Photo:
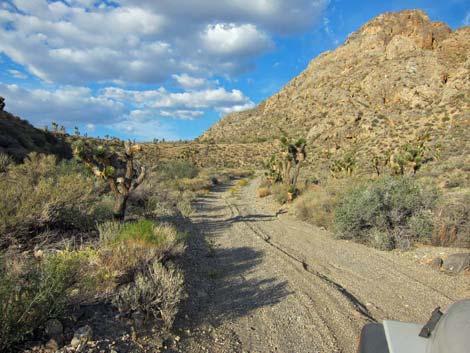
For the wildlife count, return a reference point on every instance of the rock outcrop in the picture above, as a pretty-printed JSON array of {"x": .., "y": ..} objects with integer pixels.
[{"x": 399, "y": 75}]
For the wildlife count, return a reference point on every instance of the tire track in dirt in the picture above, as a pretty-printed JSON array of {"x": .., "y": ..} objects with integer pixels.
[{"x": 355, "y": 302}]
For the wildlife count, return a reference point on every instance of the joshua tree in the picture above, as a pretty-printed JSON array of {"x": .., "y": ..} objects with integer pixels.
[
  {"x": 62, "y": 130},
  {"x": 117, "y": 170},
  {"x": 346, "y": 164},
  {"x": 77, "y": 133},
  {"x": 273, "y": 166},
  {"x": 55, "y": 126},
  {"x": 413, "y": 156},
  {"x": 2, "y": 103},
  {"x": 293, "y": 155}
]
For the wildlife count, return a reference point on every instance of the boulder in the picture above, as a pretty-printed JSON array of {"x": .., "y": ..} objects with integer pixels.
[
  {"x": 82, "y": 335},
  {"x": 457, "y": 263}
]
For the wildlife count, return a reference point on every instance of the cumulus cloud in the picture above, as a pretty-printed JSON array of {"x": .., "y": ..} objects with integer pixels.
[
  {"x": 189, "y": 82},
  {"x": 113, "y": 105},
  {"x": 216, "y": 98},
  {"x": 231, "y": 39},
  {"x": 72, "y": 45},
  {"x": 69, "y": 105},
  {"x": 81, "y": 41}
]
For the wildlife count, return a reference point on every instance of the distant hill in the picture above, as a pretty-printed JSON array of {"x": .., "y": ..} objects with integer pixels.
[
  {"x": 398, "y": 76},
  {"x": 18, "y": 138}
]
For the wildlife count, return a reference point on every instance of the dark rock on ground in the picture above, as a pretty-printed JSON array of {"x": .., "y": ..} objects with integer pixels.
[{"x": 457, "y": 263}]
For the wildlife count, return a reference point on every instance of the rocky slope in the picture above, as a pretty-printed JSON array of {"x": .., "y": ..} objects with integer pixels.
[{"x": 399, "y": 75}]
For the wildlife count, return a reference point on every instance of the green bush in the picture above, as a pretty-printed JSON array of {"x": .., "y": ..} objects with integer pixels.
[
  {"x": 39, "y": 291},
  {"x": 393, "y": 205},
  {"x": 179, "y": 169},
  {"x": 156, "y": 292}
]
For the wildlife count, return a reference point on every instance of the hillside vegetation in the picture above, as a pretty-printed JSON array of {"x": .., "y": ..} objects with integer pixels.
[{"x": 397, "y": 77}]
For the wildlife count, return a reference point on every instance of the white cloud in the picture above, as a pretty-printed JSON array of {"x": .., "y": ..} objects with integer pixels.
[
  {"x": 69, "y": 105},
  {"x": 81, "y": 41},
  {"x": 231, "y": 39},
  {"x": 182, "y": 114},
  {"x": 217, "y": 98},
  {"x": 188, "y": 82},
  {"x": 17, "y": 74},
  {"x": 114, "y": 106},
  {"x": 466, "y": 20}
]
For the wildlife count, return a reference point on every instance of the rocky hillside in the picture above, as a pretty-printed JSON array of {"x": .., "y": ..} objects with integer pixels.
[{"x": 399, "y": 75}]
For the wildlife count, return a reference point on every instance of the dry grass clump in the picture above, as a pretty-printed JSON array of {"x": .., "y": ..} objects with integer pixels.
[{"x": 263, "y": 192}]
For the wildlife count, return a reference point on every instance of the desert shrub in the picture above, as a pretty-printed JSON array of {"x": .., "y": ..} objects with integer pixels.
[
  {"x": 41, "y": 193},
  {"x": 318, "y": 203},
  {"x": 133, "y": 245},
  {"x": 108, "y": 232},
  {"x": 387, "y": 204},
  {"x": 5, "y": 161},
  {"x": 185, "y": 207},
  {"x": 242, "y": 183},
  {"x": 421, "y": 226},
  {"x": 452, "y": 220},
  {"x": 195, "y": 184},
  {"x": 382, "y": 240},
  {"x": 179, "y": 169},
  {"x": 156, "y": 292},
  {"x": 37, "y": 292},
  {"x": 279, "y": 191},
  {"x": 263, "y": 192}
]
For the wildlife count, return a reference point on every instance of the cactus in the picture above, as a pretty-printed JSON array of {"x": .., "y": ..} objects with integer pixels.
[{"x": 118, "y": 171}]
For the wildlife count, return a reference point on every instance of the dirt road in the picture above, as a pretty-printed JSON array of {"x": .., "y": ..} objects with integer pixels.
[{"x": 262, "y": 281}]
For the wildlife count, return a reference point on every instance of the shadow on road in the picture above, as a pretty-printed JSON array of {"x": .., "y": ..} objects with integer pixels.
[{"x": 219, "y": 283}]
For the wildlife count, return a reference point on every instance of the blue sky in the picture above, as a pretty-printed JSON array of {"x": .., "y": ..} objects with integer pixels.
[{"x": 169, "y": 69}]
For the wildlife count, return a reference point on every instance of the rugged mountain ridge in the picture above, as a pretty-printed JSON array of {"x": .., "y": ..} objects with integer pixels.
[{"x": 399, "y": 75}]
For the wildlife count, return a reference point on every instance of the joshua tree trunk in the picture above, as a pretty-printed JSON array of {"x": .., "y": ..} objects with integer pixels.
[{"x": 119, "y": 209}]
